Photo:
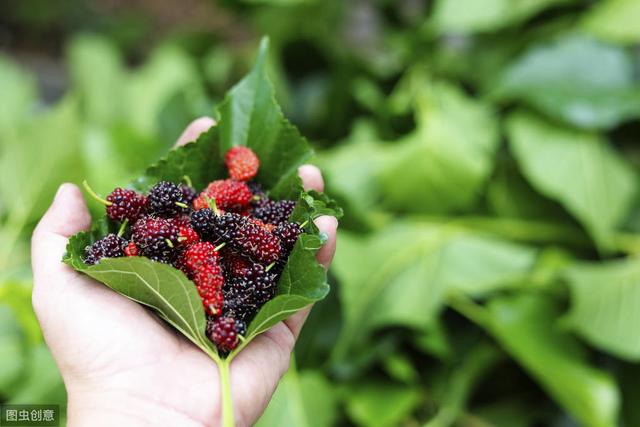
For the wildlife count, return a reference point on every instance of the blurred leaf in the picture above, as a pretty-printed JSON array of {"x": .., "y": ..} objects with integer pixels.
[
  {"x": 302, "y": 399},
  {"x": 434, "y": 341},
  {"x": 42, "y": 384},
  {"x": 614, "y": 20},
  {"x": 605, "y": 308},
  {"x": 400, "y": 368},
  {"x": 581, "y": 81},
  {"x": 99, "y": 148},
  {"x": 280, "y": 2},
  {"x": 18, "y": 89},
  {"x": 350, "y": 170},
  {"x": 510, "y": 413},
  {"x": 577, "y": 169},
  {"x": 466, "y": 16},
  {"x": 524, "y": 326},
  {"x": 400, "y": 276},
  {"x": 442, "y": 166},
  {"x": 627, "y": 377},
  {"x": 16, "y": 296},
  {"x": 381, "y": 404},
  {"x": 110, "y": 94},
  {"x": 99, "y": 77},
  {"x": 167, "y": 72},
  {"x": 46, "y": 156},
  {"x": 12, "y": 351},
  {"x": 461, "y": 383},
  {"x": 217, "y": 63},
  {"x": 510, "y": 195}
]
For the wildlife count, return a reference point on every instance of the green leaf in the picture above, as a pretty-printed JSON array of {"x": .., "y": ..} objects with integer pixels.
[
  {"x": 251, "y": 116},
  {"x": 302, "y": 399},
  {"x": 583, "y": 82},
  {"x": 466, "y": 16},
  {"x": 524, "y": 326},
  {"x": 381, "y": 404},
  {"x": 614, "y": 20},
  {"x": 201, "y": 162},
  {"x": 605, "y": 305},
  {"x": 576, "y": 169},
  {"x": 159, "y": 286},
  {"x": 442, "y": 166},
  {"x": 402, "y": 275}
]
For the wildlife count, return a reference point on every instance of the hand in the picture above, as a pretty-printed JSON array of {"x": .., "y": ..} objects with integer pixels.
[{"x": 121, "y": 365}]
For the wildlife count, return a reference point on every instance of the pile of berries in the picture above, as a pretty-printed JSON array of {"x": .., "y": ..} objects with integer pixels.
[{"x": 230, "y": 239}]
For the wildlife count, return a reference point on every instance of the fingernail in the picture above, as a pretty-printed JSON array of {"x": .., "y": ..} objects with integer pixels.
[{"x": 62, "y": 191}]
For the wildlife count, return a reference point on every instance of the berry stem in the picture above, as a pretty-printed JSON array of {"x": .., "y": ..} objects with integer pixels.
[
  {"x": 182, "y": 205},
  {"x": 304, "y": 224},
  {"x": 270, "y": 266},
  {"x": 94, "y": 195},
  {"x": 169, "y": 243},
  {"x": 123, "y": 227},
  {"x": 187, "y": 180},
  {"x": 212, "y": 205},
  {"x": 227, "y": 402},
  {"x": 220, "y": 246}
]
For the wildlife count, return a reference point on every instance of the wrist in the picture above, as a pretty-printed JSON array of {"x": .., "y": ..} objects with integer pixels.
[{"x": 95, "y": 407}]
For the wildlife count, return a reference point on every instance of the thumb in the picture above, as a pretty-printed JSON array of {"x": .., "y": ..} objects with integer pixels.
[{"x": 67, "y": 215}]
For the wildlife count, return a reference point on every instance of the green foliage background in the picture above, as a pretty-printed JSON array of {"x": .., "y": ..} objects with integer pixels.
[{"x": 485, "y": 152}]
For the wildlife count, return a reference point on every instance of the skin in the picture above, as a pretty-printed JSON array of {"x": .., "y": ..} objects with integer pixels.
[{"x": 121, "y": 365}]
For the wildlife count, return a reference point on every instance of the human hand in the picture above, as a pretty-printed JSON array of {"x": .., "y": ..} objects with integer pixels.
[{"x": 120, "y": 363}]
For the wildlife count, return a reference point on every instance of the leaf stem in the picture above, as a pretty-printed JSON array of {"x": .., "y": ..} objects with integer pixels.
[
  {"x": 187, "y": 180},
  {"x": 469, "y": 309},
  {"x": 224, "y": 368},
  {"x": 94, "y": 195}
]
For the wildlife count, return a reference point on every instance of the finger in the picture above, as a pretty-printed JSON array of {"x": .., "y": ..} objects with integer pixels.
[
  {"x": 256, "y": 371},
  {"x": 311, "y": 178},
  {"x": 195, "y": 129},
  {"x": 328, "y": 225},
  {"x": 67, "y": 215}
]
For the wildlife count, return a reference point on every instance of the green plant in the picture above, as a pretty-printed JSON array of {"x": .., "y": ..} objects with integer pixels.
[{"x": 486, "y": 156}]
